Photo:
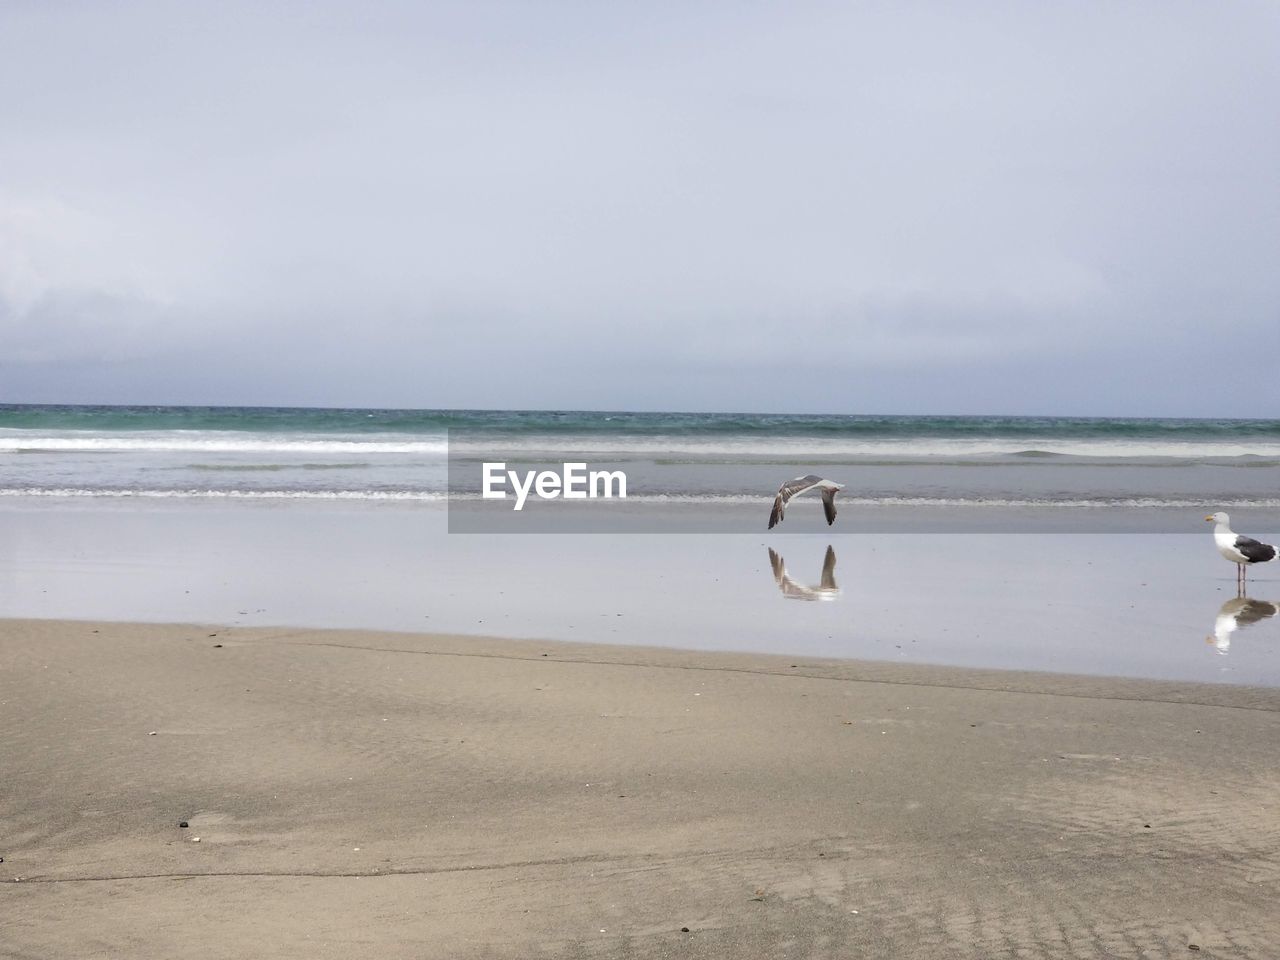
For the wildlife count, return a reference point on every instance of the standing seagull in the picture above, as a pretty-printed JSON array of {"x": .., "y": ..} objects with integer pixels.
[
  {"x": 794, "y": 488},
  {"x": 1242, "y": 551}
]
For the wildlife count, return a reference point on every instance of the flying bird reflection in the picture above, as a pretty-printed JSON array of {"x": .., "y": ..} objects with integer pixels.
[
  {"x": 826, "y": 588},
  {"x": 1236, "y": 613}
]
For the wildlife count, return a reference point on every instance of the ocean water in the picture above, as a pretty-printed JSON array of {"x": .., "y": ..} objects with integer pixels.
[
  {"x": 347, "y": 518},
  {"x": 357, "y": 454}
]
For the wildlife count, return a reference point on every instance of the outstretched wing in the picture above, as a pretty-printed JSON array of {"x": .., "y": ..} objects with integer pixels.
[
  {"x": 792, "y": 488},
  {"x": 829, "y": 504}
]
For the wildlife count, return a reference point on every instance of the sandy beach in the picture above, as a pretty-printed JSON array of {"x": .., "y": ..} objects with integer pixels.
[
  {"x": 639, "y": 482},
  {"x": 401, "y": 795}
]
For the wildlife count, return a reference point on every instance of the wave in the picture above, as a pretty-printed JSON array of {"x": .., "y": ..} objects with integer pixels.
[
  {"x": 676, "y": 499},
  {"x": 267, "y": 467},
  {"x": 218, "y": 443},
  {"x": 817, "y": 449},
  {"x": 662, "y": 448},
  {"x": 106, "y": 493}
]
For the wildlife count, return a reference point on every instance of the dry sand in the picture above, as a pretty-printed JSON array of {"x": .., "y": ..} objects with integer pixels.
[{"x": 390, "y": 795}]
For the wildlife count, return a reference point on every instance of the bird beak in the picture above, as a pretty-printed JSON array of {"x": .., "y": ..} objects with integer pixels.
[{"x": 1208, "y": 519}]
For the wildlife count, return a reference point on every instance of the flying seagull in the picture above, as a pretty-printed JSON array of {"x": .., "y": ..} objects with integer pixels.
[
  {"x": 1237, "y": 613},
  {"x": 826, "y": 588},
  {"x": 802, "y": 485},
  {"x": 1240, "y": 550}
]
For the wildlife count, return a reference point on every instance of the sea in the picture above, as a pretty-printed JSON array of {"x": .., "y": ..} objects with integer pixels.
[
  {"x": 1070, "y": 545},
  {"x": 885, "y": 461}
]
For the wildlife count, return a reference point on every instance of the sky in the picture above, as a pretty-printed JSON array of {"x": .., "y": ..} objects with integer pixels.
[{"x": 858, "y": 207}]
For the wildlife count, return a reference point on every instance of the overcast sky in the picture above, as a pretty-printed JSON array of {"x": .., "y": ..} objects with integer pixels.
[{"x": 1017, "y": 207}]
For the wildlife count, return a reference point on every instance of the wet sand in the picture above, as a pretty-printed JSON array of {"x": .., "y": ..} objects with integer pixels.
[
  {"x": 401, "y": 795},
  {"x": 1134, "y": 605}
]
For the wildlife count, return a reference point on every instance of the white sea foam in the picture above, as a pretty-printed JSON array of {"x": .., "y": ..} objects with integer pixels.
[
  {"x": 621, "y": 446},
  {"x": 435, "y": 496},
  {"x": 196, "y": 494},
  {"x": 791, "y": 449},
  {"x": 14, "y": 442}
]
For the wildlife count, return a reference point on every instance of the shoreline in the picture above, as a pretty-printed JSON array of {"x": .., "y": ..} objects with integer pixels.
[
  {"x": 434, "y": 795},
  {"x": 693, "y": 515}
]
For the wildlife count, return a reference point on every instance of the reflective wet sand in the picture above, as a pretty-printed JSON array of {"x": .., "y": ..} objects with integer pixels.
[{"x": 1139, "y": 605}]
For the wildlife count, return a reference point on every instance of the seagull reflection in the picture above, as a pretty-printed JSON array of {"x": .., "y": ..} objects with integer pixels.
[
  {"x": 1236, "y": 613},
  {"x": 826, "y": 588}
]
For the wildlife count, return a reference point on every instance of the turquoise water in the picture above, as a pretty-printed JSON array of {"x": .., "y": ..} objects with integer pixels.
[{"x": 295, "y": 420}]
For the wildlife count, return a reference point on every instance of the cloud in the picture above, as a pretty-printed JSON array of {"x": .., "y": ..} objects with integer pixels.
[
  {"x": 327, "y": 201},
  {"x": 71, "y": 288}
]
